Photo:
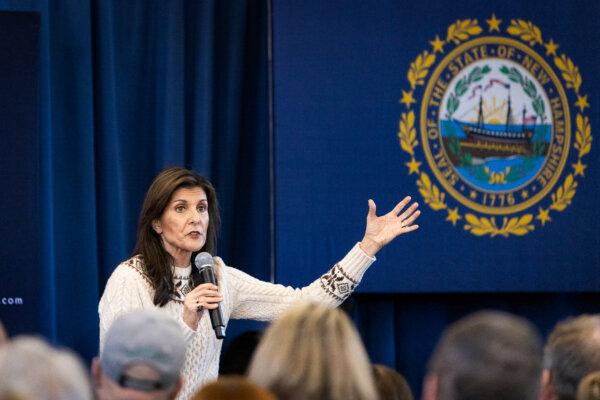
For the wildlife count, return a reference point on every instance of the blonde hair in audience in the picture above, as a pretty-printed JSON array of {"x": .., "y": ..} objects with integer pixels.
[
  {"x": 313, "y": 352},
  {"x": 232, "y": 388},
  {"x": 589, "y": 387}
]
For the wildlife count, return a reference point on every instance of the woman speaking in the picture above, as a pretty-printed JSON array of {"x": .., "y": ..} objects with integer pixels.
[{"x": 179, "y": 218}]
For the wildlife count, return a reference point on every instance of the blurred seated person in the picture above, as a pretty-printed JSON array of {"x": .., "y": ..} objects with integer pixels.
[
  {"x": 30, "y": 369},
  {"x": 313, "y": 352},
  {"x": 486, "y": 356},
  {"x": 572, "y": 351},
  {"x": 142, "y": 358}
]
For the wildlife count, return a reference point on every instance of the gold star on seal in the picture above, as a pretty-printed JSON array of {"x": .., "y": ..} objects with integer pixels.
[
  {"x": 524, "y": 194},
  {"x": 438, "y": 44},
  {"x": 453, "y": 216},
  {"x": 413, "y": 166},
  {"x": 582, "y": 102},
  {"x": 551, "y": 47},
  {"x": 473, "y": 194},
  {"x": 543, "y": 216},
  {"x": 407, "y": 98},
  {"x": 579, "y": 168},
  {"x": 493, "y": 23}
]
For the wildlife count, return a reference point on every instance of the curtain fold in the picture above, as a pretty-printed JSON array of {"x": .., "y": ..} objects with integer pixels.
[{"x": 129, "y": 88}]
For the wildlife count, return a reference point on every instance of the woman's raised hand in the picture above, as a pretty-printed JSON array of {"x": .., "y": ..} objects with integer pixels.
[
  {"x": 382, "y": 230},
  {"x": 202, "y": 296}
]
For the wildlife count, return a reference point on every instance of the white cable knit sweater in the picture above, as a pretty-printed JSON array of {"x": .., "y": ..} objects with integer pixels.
[{"x": 244, "y": 297}]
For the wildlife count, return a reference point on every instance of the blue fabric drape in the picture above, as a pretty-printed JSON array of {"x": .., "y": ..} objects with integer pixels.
[{"x": 128, "y": 88}]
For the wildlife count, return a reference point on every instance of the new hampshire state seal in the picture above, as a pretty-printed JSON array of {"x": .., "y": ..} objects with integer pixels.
[{"x": 495, "y": 127}]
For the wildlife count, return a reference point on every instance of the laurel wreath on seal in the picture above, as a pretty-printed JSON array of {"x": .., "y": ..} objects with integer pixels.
[
  {"x": 583, "y": 137},
  {"x": 408, "y": 133},
  {"x": 528, "y": 87},
  {"x": 461, "y": 30},
  {"x": 563, "y": 196},
  {"x": 420, "y": 68},
  {"x": 462, "y": 85},
  {"x": 570, "y": 72},
  {"x": 526, "y": 31},
  {"x": 487, "y": 226},
  {"x": 430, "y": 192}
]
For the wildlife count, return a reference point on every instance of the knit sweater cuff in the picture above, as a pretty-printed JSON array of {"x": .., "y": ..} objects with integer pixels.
[{"x": 356, "y": 262}]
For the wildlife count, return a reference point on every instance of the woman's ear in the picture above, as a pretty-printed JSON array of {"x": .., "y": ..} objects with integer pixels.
[{"x": 156, "y": 225}]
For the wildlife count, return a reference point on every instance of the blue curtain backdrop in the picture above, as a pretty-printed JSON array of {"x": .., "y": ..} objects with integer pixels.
[{"x": 128, "y": 88}]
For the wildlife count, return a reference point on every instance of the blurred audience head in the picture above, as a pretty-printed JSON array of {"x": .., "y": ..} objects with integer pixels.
[
  {"x": 30, "y": 369},
  {"x": 572, "y": 351},
  {"x": 589, "y": 387},
  {"x": 237, "y": 355},
  {"x": 142, "y": 358},
  {"x": 390, "y": 384},
  {"x": 488, "y": 355},
  {"x": 232, "y": 388},
  {"x": 313, "y": 352}
]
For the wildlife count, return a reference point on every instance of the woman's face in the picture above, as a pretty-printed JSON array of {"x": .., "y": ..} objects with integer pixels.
[{"x": 183, "y": 224}]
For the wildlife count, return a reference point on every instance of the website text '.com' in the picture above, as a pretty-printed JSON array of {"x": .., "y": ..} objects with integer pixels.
[{"x": 11, "y": 301}]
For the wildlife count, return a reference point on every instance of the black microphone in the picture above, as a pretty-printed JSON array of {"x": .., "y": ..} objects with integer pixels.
[{"x": 204, "y": 262}]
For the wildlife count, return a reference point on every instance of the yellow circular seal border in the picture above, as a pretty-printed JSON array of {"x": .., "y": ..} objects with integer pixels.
[
  {"x": 423, "y": 117},
  {"x": 494, "y": 225}
]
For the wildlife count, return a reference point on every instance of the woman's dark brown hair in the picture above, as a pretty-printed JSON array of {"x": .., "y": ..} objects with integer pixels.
[{"x": 156, "y": 259}]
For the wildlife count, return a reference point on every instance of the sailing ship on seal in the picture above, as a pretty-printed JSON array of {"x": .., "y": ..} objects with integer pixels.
[{"x": 497, "y": 140}]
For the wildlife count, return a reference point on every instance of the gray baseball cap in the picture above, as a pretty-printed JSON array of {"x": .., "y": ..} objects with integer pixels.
[{"x": 149, "y": 337}]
